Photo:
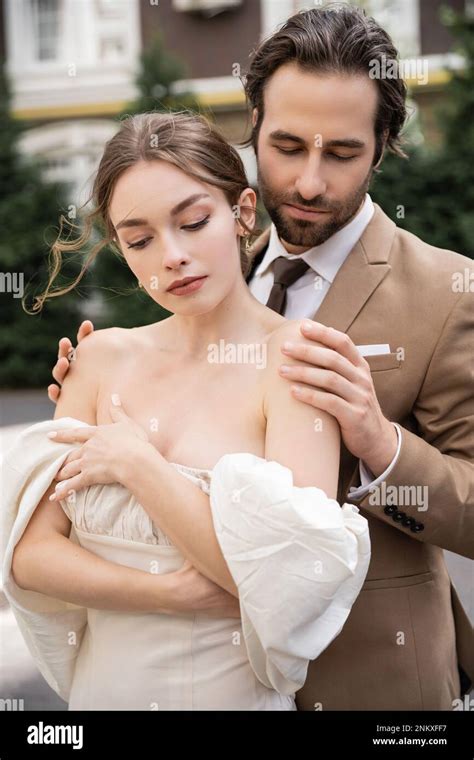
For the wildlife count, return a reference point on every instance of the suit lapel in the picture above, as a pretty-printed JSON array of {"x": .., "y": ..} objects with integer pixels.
[{"x": 363, "y": 270}]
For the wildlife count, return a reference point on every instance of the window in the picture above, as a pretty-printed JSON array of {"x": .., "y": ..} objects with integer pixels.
[
  {"x": 111, "y": 49},
  {"x": 45, "y": 20}
]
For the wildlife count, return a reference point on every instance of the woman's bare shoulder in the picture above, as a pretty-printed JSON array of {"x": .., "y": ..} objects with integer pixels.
[
  {"x": 286, "y": 330},
  {"x": 94, "y": 355},
  {"x": 109, "y": 339},
  {"x": 290, "y": 331}
]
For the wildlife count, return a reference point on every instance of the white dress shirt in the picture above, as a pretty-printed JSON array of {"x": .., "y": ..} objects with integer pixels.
[{"x": 305, "y": 296}]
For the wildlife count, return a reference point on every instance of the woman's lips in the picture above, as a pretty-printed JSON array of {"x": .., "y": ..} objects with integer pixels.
[
  {"x": 298, "y": 213},
  {"x": 191, "y": 287}
]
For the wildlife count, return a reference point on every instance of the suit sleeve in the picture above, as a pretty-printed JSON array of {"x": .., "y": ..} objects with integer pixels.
[{"x": 433, "y": 498}]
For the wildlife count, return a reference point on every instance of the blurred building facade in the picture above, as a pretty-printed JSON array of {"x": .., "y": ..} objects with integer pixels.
[{"x": 72, "y": 64}]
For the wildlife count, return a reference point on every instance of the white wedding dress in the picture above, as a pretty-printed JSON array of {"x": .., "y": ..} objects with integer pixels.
[{"x": 298, "y": 559}]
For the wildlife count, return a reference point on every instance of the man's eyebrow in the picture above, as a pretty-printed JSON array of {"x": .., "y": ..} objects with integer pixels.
[
  {"x": 138, "y": 222},
  {"x": 345, "y": 142},
  {"x": 280, "y": 134}
]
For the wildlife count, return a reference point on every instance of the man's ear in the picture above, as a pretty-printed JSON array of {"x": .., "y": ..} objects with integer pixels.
[
  {"x": 385, "y": 136},
  {"x": 375, "y": 166}
]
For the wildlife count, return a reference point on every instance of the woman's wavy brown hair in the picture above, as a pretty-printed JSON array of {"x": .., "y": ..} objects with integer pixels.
[
  {"x": 186, "y": 140},
  {"x": 336, "y": 39}
]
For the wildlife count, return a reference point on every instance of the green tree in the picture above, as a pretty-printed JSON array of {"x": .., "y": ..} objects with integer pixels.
[
  {"x": 28, "y": 343},
  {"x": 434, "y": 187},
  {"x": 159, "y": 70}
]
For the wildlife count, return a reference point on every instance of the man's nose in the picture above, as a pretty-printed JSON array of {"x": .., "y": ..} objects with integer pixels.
[{"x": 310, "y": 183}]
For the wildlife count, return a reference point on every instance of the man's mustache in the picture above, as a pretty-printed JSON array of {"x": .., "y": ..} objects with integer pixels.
[{"x": 308, "y": 204}]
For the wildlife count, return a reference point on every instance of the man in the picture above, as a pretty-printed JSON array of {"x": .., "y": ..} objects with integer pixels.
[{"x": 320, "y": 125}]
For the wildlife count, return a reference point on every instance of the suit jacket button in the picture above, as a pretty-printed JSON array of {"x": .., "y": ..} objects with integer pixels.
[
  {"x": 398, "y": 516},
  {"x": 390, "y": 510},
  {"x": 417, "y": 527}
]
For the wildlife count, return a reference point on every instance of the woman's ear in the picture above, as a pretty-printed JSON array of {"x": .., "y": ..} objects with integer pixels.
[{"x": 247, "y": 208}]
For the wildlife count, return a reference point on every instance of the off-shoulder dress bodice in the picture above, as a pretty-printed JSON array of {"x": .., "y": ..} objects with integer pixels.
[
  {"x": 297, "y": 557},
  {"x": 120, "y": 515}
]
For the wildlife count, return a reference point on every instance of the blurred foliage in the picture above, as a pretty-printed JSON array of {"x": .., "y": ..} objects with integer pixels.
[
  {"x": 28, "y": 206},
  {"x": 158, "y": 71},
  {"x": 435, "y": 187}
]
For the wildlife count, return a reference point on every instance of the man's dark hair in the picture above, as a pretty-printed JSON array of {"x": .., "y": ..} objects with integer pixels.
[{"x": 336, "y": 39}]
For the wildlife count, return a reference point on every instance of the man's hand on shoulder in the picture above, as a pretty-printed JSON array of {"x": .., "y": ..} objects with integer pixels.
[
  {"x": 93, "y": 357},
  {"x": 65, "y": 356}
]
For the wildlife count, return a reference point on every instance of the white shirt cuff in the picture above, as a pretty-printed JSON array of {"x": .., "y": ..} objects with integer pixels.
[{"x": 367, "y": 477}]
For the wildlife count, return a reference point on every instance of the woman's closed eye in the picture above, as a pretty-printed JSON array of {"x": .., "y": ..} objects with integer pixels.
[
  {"x": 139, "y": 243},
  {"x": 191, "y": 227},
  {"x": 196, "y": 225}
]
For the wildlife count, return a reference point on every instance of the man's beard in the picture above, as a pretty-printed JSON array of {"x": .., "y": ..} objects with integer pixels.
[{"x": 304, "y": 233}]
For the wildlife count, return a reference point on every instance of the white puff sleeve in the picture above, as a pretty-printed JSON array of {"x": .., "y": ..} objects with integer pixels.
[
  {"x": 298, "y": 559},
  {"x": 52, "y": 629}
]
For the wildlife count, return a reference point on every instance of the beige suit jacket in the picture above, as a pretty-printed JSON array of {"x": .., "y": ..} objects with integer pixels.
[{"x": 407, "y": 631}]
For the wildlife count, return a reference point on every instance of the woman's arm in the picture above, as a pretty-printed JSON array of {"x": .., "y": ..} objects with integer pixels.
[
  {"x": 304, "y": 439},
  {"x": 309, "y": 447},
  {"x": 47, "y": 561},
  {"x": 181, "y": 509}
]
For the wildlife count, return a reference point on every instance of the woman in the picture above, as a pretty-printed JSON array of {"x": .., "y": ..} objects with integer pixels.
[{"x": 184, "y": 466}]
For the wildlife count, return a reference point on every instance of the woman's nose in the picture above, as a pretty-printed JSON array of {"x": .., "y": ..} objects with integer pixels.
[{"x": 173, "y": 256}]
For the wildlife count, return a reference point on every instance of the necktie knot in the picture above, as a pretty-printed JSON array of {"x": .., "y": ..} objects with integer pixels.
[{"x": 285, "y": 272}]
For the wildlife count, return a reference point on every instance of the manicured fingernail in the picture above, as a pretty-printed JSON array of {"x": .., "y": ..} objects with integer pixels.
[
  {"x": 287, "y": 345},
  {"x": 307, "y": 325},
  {"x": 52, "y": 497},
  {"x": 284, "y": 369},
  {"x": 296, "y": 389},
  {"x": 116, "y": 399},
  {"x": 52, "y": 435}
]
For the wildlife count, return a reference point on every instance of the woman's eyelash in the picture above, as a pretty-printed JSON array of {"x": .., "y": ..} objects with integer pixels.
[
  {"x": 195, "y": 226},
  {"x": 139, "y": 244}
]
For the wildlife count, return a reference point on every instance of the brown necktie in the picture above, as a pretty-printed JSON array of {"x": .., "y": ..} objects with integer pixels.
[{"x": 286, "y": 272}]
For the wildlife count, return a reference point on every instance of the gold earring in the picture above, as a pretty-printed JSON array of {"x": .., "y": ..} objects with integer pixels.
[
  {"x": 139, "y": 284},
  {"x": 248, "y": 244}
]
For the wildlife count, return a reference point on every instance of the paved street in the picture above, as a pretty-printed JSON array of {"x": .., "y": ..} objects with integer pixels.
[{"x": 19, "y": 678}]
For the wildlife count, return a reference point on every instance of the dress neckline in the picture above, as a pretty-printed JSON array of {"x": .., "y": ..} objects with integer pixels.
[{"x": 189, "y": 467}]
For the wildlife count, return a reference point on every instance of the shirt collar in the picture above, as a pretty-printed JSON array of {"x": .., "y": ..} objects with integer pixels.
[{"x": 327, "y": 258}]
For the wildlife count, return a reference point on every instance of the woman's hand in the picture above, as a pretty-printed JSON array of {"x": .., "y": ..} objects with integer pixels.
[
  {"x": 194, "y": 592},
  {"x": 105, "y": 451}
]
